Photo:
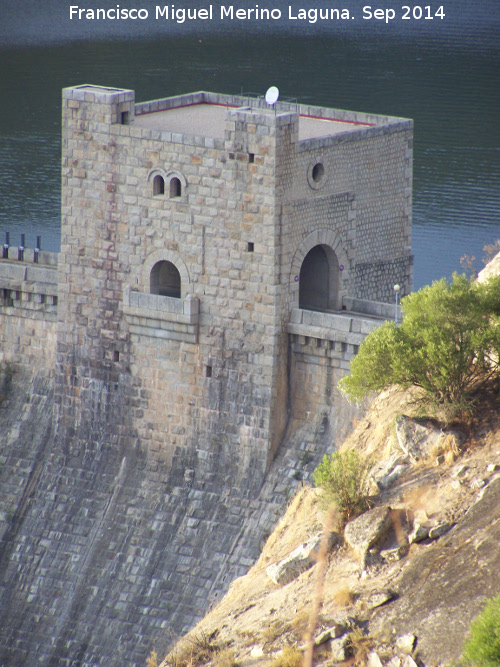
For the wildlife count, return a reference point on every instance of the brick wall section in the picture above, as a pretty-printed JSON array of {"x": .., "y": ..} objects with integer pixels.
[{"x": 371, "y": 168}]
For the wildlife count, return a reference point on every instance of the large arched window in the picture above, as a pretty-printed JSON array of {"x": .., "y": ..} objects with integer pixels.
[
  {"x": 319, "y": 279},
  {"x": 165, "y": 280}
]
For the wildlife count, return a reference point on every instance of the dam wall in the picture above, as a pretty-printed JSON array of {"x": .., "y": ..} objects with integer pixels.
[{"x": 108, "y": 554}]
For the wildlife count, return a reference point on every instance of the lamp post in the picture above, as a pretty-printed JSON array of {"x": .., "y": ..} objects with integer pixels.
[{"x": 396, "y": 291}]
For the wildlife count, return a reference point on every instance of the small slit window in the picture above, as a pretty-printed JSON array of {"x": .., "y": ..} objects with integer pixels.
[
  {"x": 175, "y": 188},
  {"x": 158, "y": 185}
]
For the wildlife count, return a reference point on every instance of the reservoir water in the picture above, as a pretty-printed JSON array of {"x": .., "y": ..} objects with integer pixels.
[{"x": 442, "y": 72}]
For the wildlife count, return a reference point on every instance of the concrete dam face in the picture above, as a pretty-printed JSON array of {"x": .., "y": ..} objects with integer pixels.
[{"x": 169, "y": 377}]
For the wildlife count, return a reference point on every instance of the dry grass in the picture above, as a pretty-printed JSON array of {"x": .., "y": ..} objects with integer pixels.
[
  {"x": 248, "y": 637},
  {"x": 446, "y": 446},
  {"x": 491, "y": 251},
  {"x": 361, "y": 646},
  {"x": 300, "y": 623},
  {"x": 289, "y": 657},
  {"x": 374, "y": 436},
  {"x": 199, "y": 649},
  {"x": 274, "y": 631},
  {"x": 225, "y": 658},
  {"x": 343, "y": 597}
]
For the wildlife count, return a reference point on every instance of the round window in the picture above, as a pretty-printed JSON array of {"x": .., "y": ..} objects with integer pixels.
[
  {"x": 316, "y": 175},
  {"x": 318, "y": 172}
]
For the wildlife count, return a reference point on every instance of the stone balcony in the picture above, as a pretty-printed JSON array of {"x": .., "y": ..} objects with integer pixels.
[{"x": 162, "y": 316}]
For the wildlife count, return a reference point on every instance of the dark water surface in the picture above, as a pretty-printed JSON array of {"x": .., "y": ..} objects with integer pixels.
[{"x": 443, "y": 73}]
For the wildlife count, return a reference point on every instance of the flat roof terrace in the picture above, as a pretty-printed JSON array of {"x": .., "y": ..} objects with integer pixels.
[{"x": 207, "y": 120}]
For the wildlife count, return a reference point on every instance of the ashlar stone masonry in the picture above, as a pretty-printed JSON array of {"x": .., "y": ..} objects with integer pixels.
[{"x": 252, "y": 209}]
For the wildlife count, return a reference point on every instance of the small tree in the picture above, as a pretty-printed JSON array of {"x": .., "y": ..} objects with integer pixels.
[
  {"x": 448, "y": 340},
  {"x": 482, "y": 648},
  {"x": 342, "y": 478}
]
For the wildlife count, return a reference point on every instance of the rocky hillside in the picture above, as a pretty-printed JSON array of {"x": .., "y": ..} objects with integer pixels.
[{"x": 401, "y": 584}]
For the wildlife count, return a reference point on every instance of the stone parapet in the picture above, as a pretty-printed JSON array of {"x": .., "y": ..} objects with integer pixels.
[
  {"x": 150, "y": 134},
  {"x": 90, "y": 93},
  {"x": 22, "y": 283},
  {"x": 374, "y": 308},
  {"x": 356, "y": 134},
  {"x": 335, "y": 327},
  {"x": 28, "y": 312},
  {"x": 45, "y": 258},
  {"x": 162, "y": 316},
  {"x": 255, "y": 102}
]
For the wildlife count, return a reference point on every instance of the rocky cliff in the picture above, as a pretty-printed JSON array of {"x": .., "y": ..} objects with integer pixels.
[{"x": 401, "y": 585}]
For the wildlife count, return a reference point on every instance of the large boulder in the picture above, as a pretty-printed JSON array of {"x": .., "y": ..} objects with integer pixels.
[
  {"x": 416, "y": 439},
  {"x": 389, "y": 471},
  {"x": 369, "y": 530},
  {"x": 299, "y": 560}
]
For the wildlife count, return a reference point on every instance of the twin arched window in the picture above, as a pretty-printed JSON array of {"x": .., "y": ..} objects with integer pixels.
[{"x": 175, "y": 186}]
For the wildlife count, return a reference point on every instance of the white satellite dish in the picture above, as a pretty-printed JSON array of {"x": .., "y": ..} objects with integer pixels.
[{"x": 272, "y": 95}]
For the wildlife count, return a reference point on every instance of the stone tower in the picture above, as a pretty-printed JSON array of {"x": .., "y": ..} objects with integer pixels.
[{"x": 194, "y": 229}]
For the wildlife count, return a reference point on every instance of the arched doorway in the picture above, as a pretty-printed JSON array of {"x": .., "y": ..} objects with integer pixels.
[
  {"x": 165, "y": 280},
  {"x": 319, "y": 274}
]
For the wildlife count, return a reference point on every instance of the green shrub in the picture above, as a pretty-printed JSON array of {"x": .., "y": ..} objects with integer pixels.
[
  {"x": 449, "y": 340},
  {"x": 342, "y": 477},
  {"x": 482, "y": 648}
]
